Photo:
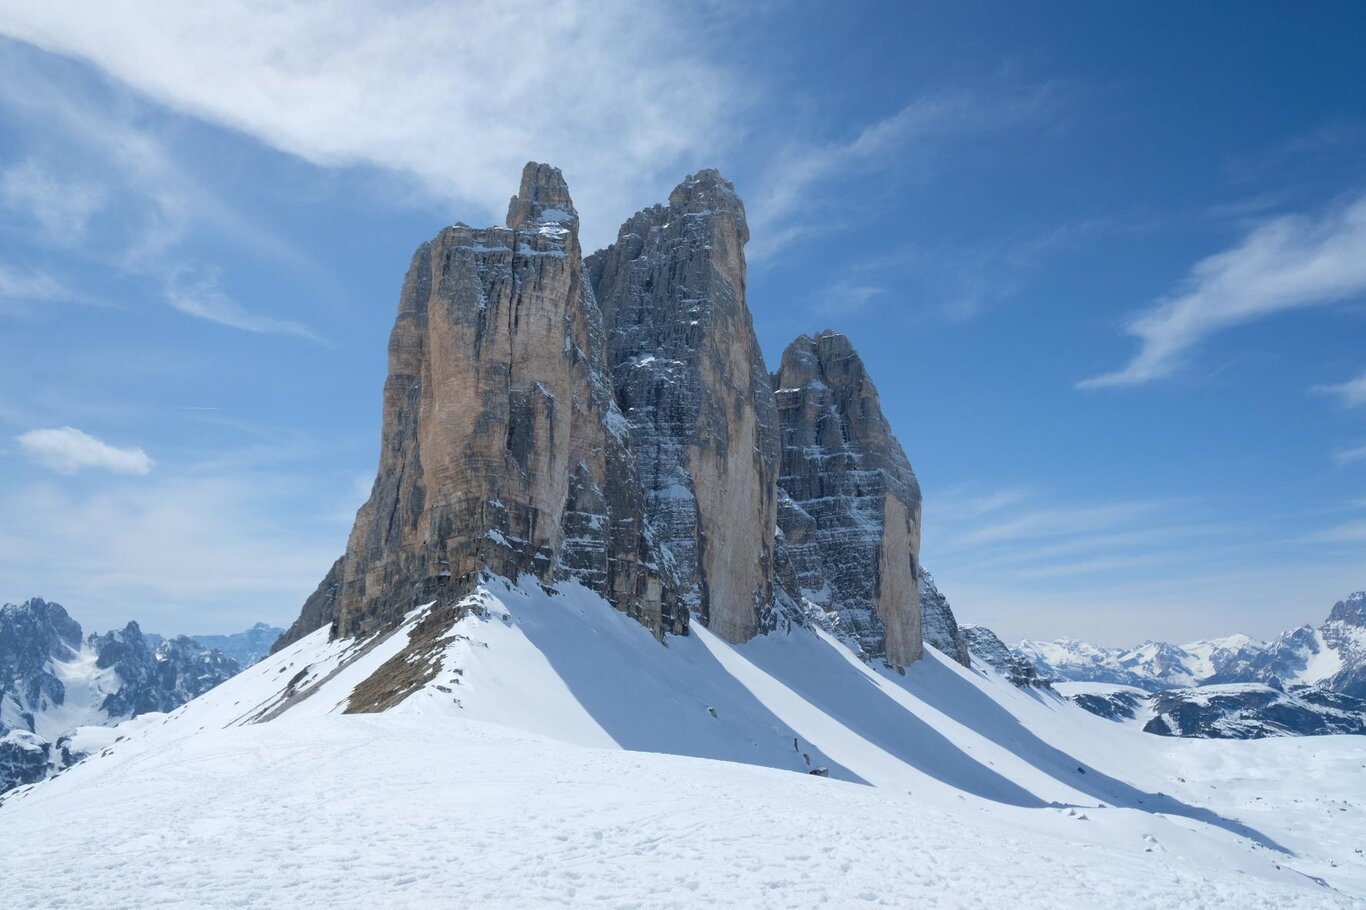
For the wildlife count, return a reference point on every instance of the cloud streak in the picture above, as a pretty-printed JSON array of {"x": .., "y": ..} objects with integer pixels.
[
  {"x": 456, "y": 96},
  {"x": 1351, "y": 394},
  {"x": 68, "y": 450},
  {"x": 201, "y": 294},
  {"x": 61, "y": 207},
  {"x": 776, "y": 212},
  {"x": 1287, "y": 263}
]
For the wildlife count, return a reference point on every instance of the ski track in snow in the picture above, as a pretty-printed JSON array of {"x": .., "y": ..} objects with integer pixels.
[{"x": 506, "y": 782}]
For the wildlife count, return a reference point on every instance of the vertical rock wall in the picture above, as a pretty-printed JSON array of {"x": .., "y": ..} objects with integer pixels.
[
  {"x": 502, "y": 447},
  {"x": 850, "y": 509},
  {"x": 612, "y": 421},
  {"x": 691, "y": 382}
]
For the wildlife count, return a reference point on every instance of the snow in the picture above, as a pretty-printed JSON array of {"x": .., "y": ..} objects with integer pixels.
[
  {"x": 86, "y": 688},
  {"x": 1321, "y": 665},
  {"x": 563, "y": 757}
]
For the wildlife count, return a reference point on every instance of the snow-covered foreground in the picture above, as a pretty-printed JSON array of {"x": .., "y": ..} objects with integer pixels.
[{"x": 503, "y": 783}]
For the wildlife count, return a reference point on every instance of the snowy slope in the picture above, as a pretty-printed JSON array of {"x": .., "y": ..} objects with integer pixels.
[{"x": 502, "y": 782}]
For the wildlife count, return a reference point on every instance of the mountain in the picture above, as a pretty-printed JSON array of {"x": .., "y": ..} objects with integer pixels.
[
  {"x": 53, "y": 681},
  {"x": 848, "y": 501},
  {"x": 244, "y": 647},
  {"x": 1332, "y": 657},
  {"x": 1305, "y": 681},
  {"x": 628, "y": 620},
  {"x": 560, "y": 754},
  {"x": 609, "y": 421}
]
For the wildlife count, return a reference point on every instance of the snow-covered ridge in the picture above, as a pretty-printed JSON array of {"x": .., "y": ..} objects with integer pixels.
[
  {"x": 510, "y": 746},
  {"x": 1332, "y": 656},
  {"x": 1305, "y": 681}
]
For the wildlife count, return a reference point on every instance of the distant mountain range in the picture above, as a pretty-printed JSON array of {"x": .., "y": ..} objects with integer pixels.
[
  {"x": 1306, "y": 680},
  {"x": 56, "y": 683}
]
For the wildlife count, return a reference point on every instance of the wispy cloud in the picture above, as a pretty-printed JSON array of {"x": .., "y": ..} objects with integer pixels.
[
  {"x": 844, "y": 297},
  {"x": 1348, "y": 532},
  {"x": 1350, "y": 456},
  {"x": 179, "y": 552},
  {"x": 406, "y": 87},
  {"x": 68, "y": 450},
  {"x": 778, "y": 212},
  {"x": 200, "y": 293},
  {"x": 1352, "y": 393},
  {"x": 61, "y": 207},
  {"x": 20, "y": 289},
  {"x": 1287, "y": 263}
]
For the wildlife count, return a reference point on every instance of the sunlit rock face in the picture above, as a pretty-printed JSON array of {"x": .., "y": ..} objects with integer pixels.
[
  {"x": 691, "y": 382},
  {"x": 502, "y": 448},
  {"x": 849, "y": 509},
  {"x": 611, "y": 420}
]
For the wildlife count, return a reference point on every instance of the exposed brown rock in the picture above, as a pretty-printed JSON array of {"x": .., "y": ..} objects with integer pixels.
[
  {"x": 850, "y": 508},
  {"x": 502, "y": 448},
  {"x": 691, "y": 381}
]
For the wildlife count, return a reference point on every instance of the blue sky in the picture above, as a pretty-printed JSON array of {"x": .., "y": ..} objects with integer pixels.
[{"x": 1106, "y": 264}]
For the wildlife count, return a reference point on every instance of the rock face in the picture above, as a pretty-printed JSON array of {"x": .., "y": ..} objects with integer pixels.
[
  {"x": 156, "y": 678},
  {"x": 849, "y": 505},
  {"x": 502, "y": 447},
  {"x": 938, "y": 624},
  {"x": 611, "y": 421},
  {"x": 691, "y": 382},
  {"x": 33, "y": 635}
]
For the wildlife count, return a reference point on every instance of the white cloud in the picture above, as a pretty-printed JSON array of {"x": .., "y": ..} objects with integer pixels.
[
  {"x": 21, "y": 288},
  {"x": 844, "y": 297},
  {"x": 1349, "y": 456},
  {"x": 200, "y": 293},
  {"x": 1351, "y": 393},
  {"x": 61, "y": 207},
  {"x": 67, "y": 450},
  {"x": 207, "y": 551},
  {"x": 777, "y": 211},
  {"x": 458, "y": 96},
  {"x": 1287, "y": 263}
]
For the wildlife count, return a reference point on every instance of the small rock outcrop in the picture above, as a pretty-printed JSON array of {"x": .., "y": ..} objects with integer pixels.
[
  {"x": 987, "y": 648},
  {"x": 849, "y": 505},
  {"x": 938, "y": 624}
]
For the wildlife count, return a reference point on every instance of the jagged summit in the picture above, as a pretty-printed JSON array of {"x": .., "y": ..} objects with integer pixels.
[
  {"x": 849, "y": 510},
  {"x": 611, "y": 421},
  {"x": 690, "y": 379},
  {"x": 542, "y": 199},
  {"x": 1350, "y": 610}
]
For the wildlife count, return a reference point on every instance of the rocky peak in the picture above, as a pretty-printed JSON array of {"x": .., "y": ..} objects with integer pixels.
[
  {"x": 1351, "y": 611},
  {"x": 691, "y": 383},
  {"x": 850, "y": 509},
  {"x": 542, "y": 201},
  {"x": 502, "y": 449},
  {"x": 34, "y": 631},
  {"x": 33, "y": 635},
  {"x": 121, "y": 646},
  {"x": 611, "y": 420}
]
